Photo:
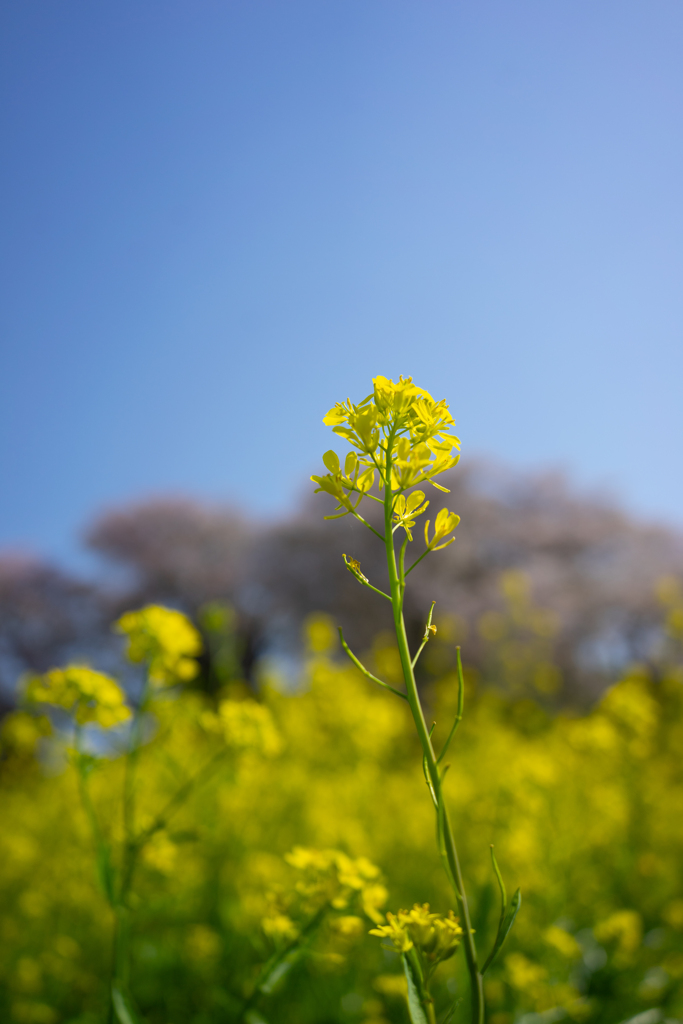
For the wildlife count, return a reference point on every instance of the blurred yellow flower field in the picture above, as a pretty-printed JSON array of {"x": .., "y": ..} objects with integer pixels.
[
  {"x": 193, "y": 848},
  {"x": 586, "y": 812}
]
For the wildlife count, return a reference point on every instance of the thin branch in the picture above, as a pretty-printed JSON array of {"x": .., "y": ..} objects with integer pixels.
[
  {"x": 425, "y": 638},
  {"x": 366, "y": 494},
  {"x": 366, "y": 523},
  {"x": 365, "y": 583},
  {"x": 417, "y": 562},
  {"x": 365, "y": 672},
  {"x": 378, "y": 467},
  {"x": 176, "y": 801},
  {"x": 275, "y": 961},
  {"x": 401, "y": 562},
  {"x": 354, "y": 568},
  {"x": 461, "y": 704}
]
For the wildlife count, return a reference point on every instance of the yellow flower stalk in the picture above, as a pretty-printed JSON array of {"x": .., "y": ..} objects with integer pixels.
[
  {"x": 402, "y": 439},
  {"x": 168, "y": 644}
]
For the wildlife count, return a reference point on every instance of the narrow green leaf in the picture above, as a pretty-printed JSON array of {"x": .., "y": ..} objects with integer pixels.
[
  {"x": 504, "y": 928},
  {"x": 253, "y": 1017},
  {"x": 279, "y": 972},
  {"x": 416, "y": 1006},
  {"x": 449, "y": 1016},
  {"x": 461, "y": 705},
  {"x": 125, "y": 1011},
  {"x": 441, "y": 842},
  {"x": 425, "y": 769},
  {"x": 105, "y": 871},
  {"x": 503, "y": 892}
]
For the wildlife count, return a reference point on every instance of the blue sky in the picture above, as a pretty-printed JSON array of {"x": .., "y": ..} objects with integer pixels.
[{"x": 220, "y": 217}]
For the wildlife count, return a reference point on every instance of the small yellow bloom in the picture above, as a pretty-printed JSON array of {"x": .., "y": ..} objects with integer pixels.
[
  {"x": 349, "y": 926},
  {"x": 20, "y": 732},
  {"x": 562, "y": 941},
  {"x": 407, "y": 509},
  {"x": 434, "y": 936},
  {"x": 444, "y": 524},
  {"x": 92, "y": 696},
  {"x": 331, "y": 876},
  {"x": 279, "y": 928},
  {"x": 247, "y": 725},
  {"x": 164, "y": 638},
  {"x": 353, "y": 565}
]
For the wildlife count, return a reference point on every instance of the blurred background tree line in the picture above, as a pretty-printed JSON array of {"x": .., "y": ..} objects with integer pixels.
[{"x": 551, "y": 594}]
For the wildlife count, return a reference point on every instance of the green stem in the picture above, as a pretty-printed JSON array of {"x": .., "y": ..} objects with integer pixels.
[
  {"x": 272, "y": 965},
  {"x": 121, "y": 945},
  {"x": 363, "y": 669},
  {"x": 418, "y": 560},
  {"x": 370, "y": 587},
  {"x": 427, "y": 635},
  {"x": 366, "y": 523},
  {"x": 396, "y": 588},
  {"x": 461, "y": 702},
  {"x": 176, "y": 801}
]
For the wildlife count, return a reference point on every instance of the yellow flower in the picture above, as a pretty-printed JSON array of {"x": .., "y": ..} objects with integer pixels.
[
  {"x": 331, "y": 876},
  {"x": 434, "y": 936},
  {"x": 397, "y": 934},
  {"x": 562, "y": 941},
  {"x": 20, "y": 732},
  {"x": 406, "y": 510},
  {"x": 625, "y": 927},
  {"x": 279, "y": 928},
  {"x": 444, "y": 524},
  {"x": 92, "y": 696},
  {"x": 349, "y": 926},
  {"x": 246, "y": 725},
  {"x": 166, "y": 639},
  {"x": 398, "y": 430}
]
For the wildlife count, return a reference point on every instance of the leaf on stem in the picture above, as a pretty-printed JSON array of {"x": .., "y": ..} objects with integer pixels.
[
  {"x": 425, "y": 769},
  {"x": 461, "y": 704},
  {"x": 441, "y": 843},
  {"x": 507, "y": 914},
  {"x": 429, "y": 632},
  {"x": 105, "y": 872},
  {"x": 279, "y": 971},
  {"x": 125, "y": 1011},
  {"x": 253, "y": 1017},
  {"x": 417, "y": 997},
  {"x": 353, "y": 565}
]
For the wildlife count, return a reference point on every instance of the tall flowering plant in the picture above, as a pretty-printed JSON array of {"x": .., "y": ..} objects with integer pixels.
[
  {"x": 401, "y": 440},
  {"x": 166, "y": 643}
]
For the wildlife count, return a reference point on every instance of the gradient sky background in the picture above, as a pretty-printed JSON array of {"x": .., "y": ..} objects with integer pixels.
[{"x": 221, "y": 217}]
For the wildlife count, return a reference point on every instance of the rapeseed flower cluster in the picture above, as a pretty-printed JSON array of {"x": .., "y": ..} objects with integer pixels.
[
  {"x": 434, "y": 936},
  {"x": 330, "y": 890},
  {"x": 244, "y": 725},
  {"x": 20, "y": 733},
  {"x": 91, "y": 696},
  {"x": 166, "y": 640},
  {"x": 403, "y": 434},
  {"x": 331, "y": 876}
]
